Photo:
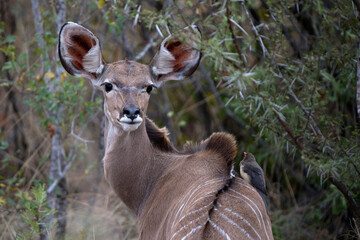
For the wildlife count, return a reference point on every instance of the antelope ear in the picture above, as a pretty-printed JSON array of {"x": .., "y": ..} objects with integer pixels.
[
  {"x": 179, "y": 55},
  {"x": 79, "y": 51}
]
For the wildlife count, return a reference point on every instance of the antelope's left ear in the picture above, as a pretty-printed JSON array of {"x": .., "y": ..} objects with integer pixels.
[{"x": 179, "y": 55}]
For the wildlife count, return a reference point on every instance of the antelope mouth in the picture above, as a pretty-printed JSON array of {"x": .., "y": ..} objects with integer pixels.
[{"x": 129, "y": 124}]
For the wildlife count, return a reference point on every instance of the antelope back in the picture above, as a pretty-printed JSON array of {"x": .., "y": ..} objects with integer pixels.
[
  {"x": 201, "y": 197},
  {"x": 209, "y": 208},
  {"x": 236, "y": 212}
]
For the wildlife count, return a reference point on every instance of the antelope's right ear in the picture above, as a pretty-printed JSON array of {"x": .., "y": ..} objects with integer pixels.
[{"x": 80, "y": 52}]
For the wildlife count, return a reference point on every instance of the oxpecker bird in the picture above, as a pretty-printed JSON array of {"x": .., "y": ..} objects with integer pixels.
[{"x": 251, "y": 172}]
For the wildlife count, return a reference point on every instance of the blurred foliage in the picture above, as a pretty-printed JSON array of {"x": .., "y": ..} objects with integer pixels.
[
  {"x": 36, "y": 210},
  {"x": 279, "y": 75}
]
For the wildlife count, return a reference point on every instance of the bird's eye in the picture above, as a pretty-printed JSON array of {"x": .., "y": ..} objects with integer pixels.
[
  {"x": 149, "y": 89},
  {"x": 108, "y": 87}
]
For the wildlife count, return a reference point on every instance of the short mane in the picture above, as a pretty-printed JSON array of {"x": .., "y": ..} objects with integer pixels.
[
  {"x": 223, "y": 144},
  {"x": 158, "y": 136}
]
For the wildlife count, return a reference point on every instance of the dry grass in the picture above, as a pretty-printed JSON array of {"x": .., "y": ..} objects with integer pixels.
[
  {"x": 90, "y": 214},
  {"x": 107, "y": 218}
]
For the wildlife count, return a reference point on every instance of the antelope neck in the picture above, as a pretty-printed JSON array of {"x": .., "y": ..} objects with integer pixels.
[{"x": 132, "y": 165}]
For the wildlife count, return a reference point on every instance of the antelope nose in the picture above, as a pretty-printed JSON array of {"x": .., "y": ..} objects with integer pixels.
[{"x": 131, "y": 113}]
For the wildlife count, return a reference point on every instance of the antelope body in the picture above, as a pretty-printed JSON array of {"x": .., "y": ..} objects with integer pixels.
[{"x": 189, "y": 195}]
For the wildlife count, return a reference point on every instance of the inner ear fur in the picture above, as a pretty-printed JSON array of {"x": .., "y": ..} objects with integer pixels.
[
  {"x": 179, "y": 55},
  {"x": 79, "y": 51}
]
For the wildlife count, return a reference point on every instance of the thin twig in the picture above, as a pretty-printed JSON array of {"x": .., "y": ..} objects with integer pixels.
[
  {"x": 71, "y": 155},
  {"x": 126, "y": 44},
  {"x": 298, "y": 177},
  {"x": 238, "y": 25},
  {"x": 222, "y": 105},
  {"x": 358, "y": 84},
  {"x": 337, "y": 183},
  {"x": 72, "y": 133},
  {"x": 284, "y": 30},
  {"x": 60, "y": 176},
  {"x": 217, "y": 97},
  {"x": 159, "y": 31},
  {"x": 357, "y": 4},
  {"x": 342, "y": 188},
  {"x": 287, "y": 128},
  {"x": 237, "y": 47},
  {"x": 356, "y": 169},
  {"x": 137, "y": 16},
  {"x": 6, "y": 81},
  {"x": 147, "y": 47},
  {"x": 265, "y": 51},
  {"x": 313, "y": 123}
]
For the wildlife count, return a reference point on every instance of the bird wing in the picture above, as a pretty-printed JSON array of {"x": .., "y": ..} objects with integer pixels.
[{"x": 257, "y": 176}]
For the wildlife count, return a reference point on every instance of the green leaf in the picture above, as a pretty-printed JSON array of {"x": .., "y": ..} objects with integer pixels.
[
  {"x": 7, "y": 66},
  {"x": 4, "y": 145},
  {"x": 182, "y": 123},
  {"x": 11, "y": 201},
  {"x": 10, "y": 39},
  {"x": 170, "y": 114}
]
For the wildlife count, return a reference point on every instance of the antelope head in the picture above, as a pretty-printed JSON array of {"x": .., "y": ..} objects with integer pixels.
[{"x": 127, "y": 84}]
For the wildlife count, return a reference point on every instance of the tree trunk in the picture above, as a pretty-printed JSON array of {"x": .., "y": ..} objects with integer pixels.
[
  {"x": 98, "y": 177},
  {"x": 57, "y": 198}
]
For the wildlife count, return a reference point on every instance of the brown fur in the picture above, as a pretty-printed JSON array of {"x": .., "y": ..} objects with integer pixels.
[
  {"x": 190, "y": 147},
  {"x": 224, "y": 144},
  {"x": 221, "y": 143},
  {"x": 158, "y": 137},
  {"x": 175, "y": 195}
]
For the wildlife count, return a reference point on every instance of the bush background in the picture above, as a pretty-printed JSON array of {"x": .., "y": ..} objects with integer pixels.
[{"x": 282, "y": 76}]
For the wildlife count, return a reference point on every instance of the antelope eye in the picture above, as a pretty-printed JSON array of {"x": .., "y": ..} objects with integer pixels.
[
  {"x": 149, "y": 89},
  {"x": 108, "y": 87}
]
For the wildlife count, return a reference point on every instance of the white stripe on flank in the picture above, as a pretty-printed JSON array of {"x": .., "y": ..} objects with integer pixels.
[
  {"x": 241, "y": 218},
  {"x": 187, "y": 198},
  {"x": 234, "y": 196},
  {"x": 211, "y": 194},
  {"x": 269, "y": 224},
  {"x": 234, "y": 224},
  {"x": 262, "y": 219},
  {"x": 194, "y": 230},
  {"x": 219, "y": 230},
  {"x": 195, "y": 211},
  {"x": 191, "y": 222},
  {"x": 207, "y": 196}
]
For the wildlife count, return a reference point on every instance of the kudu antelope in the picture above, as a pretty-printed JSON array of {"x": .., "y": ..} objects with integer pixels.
[{"x": 188, "y": 195}]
